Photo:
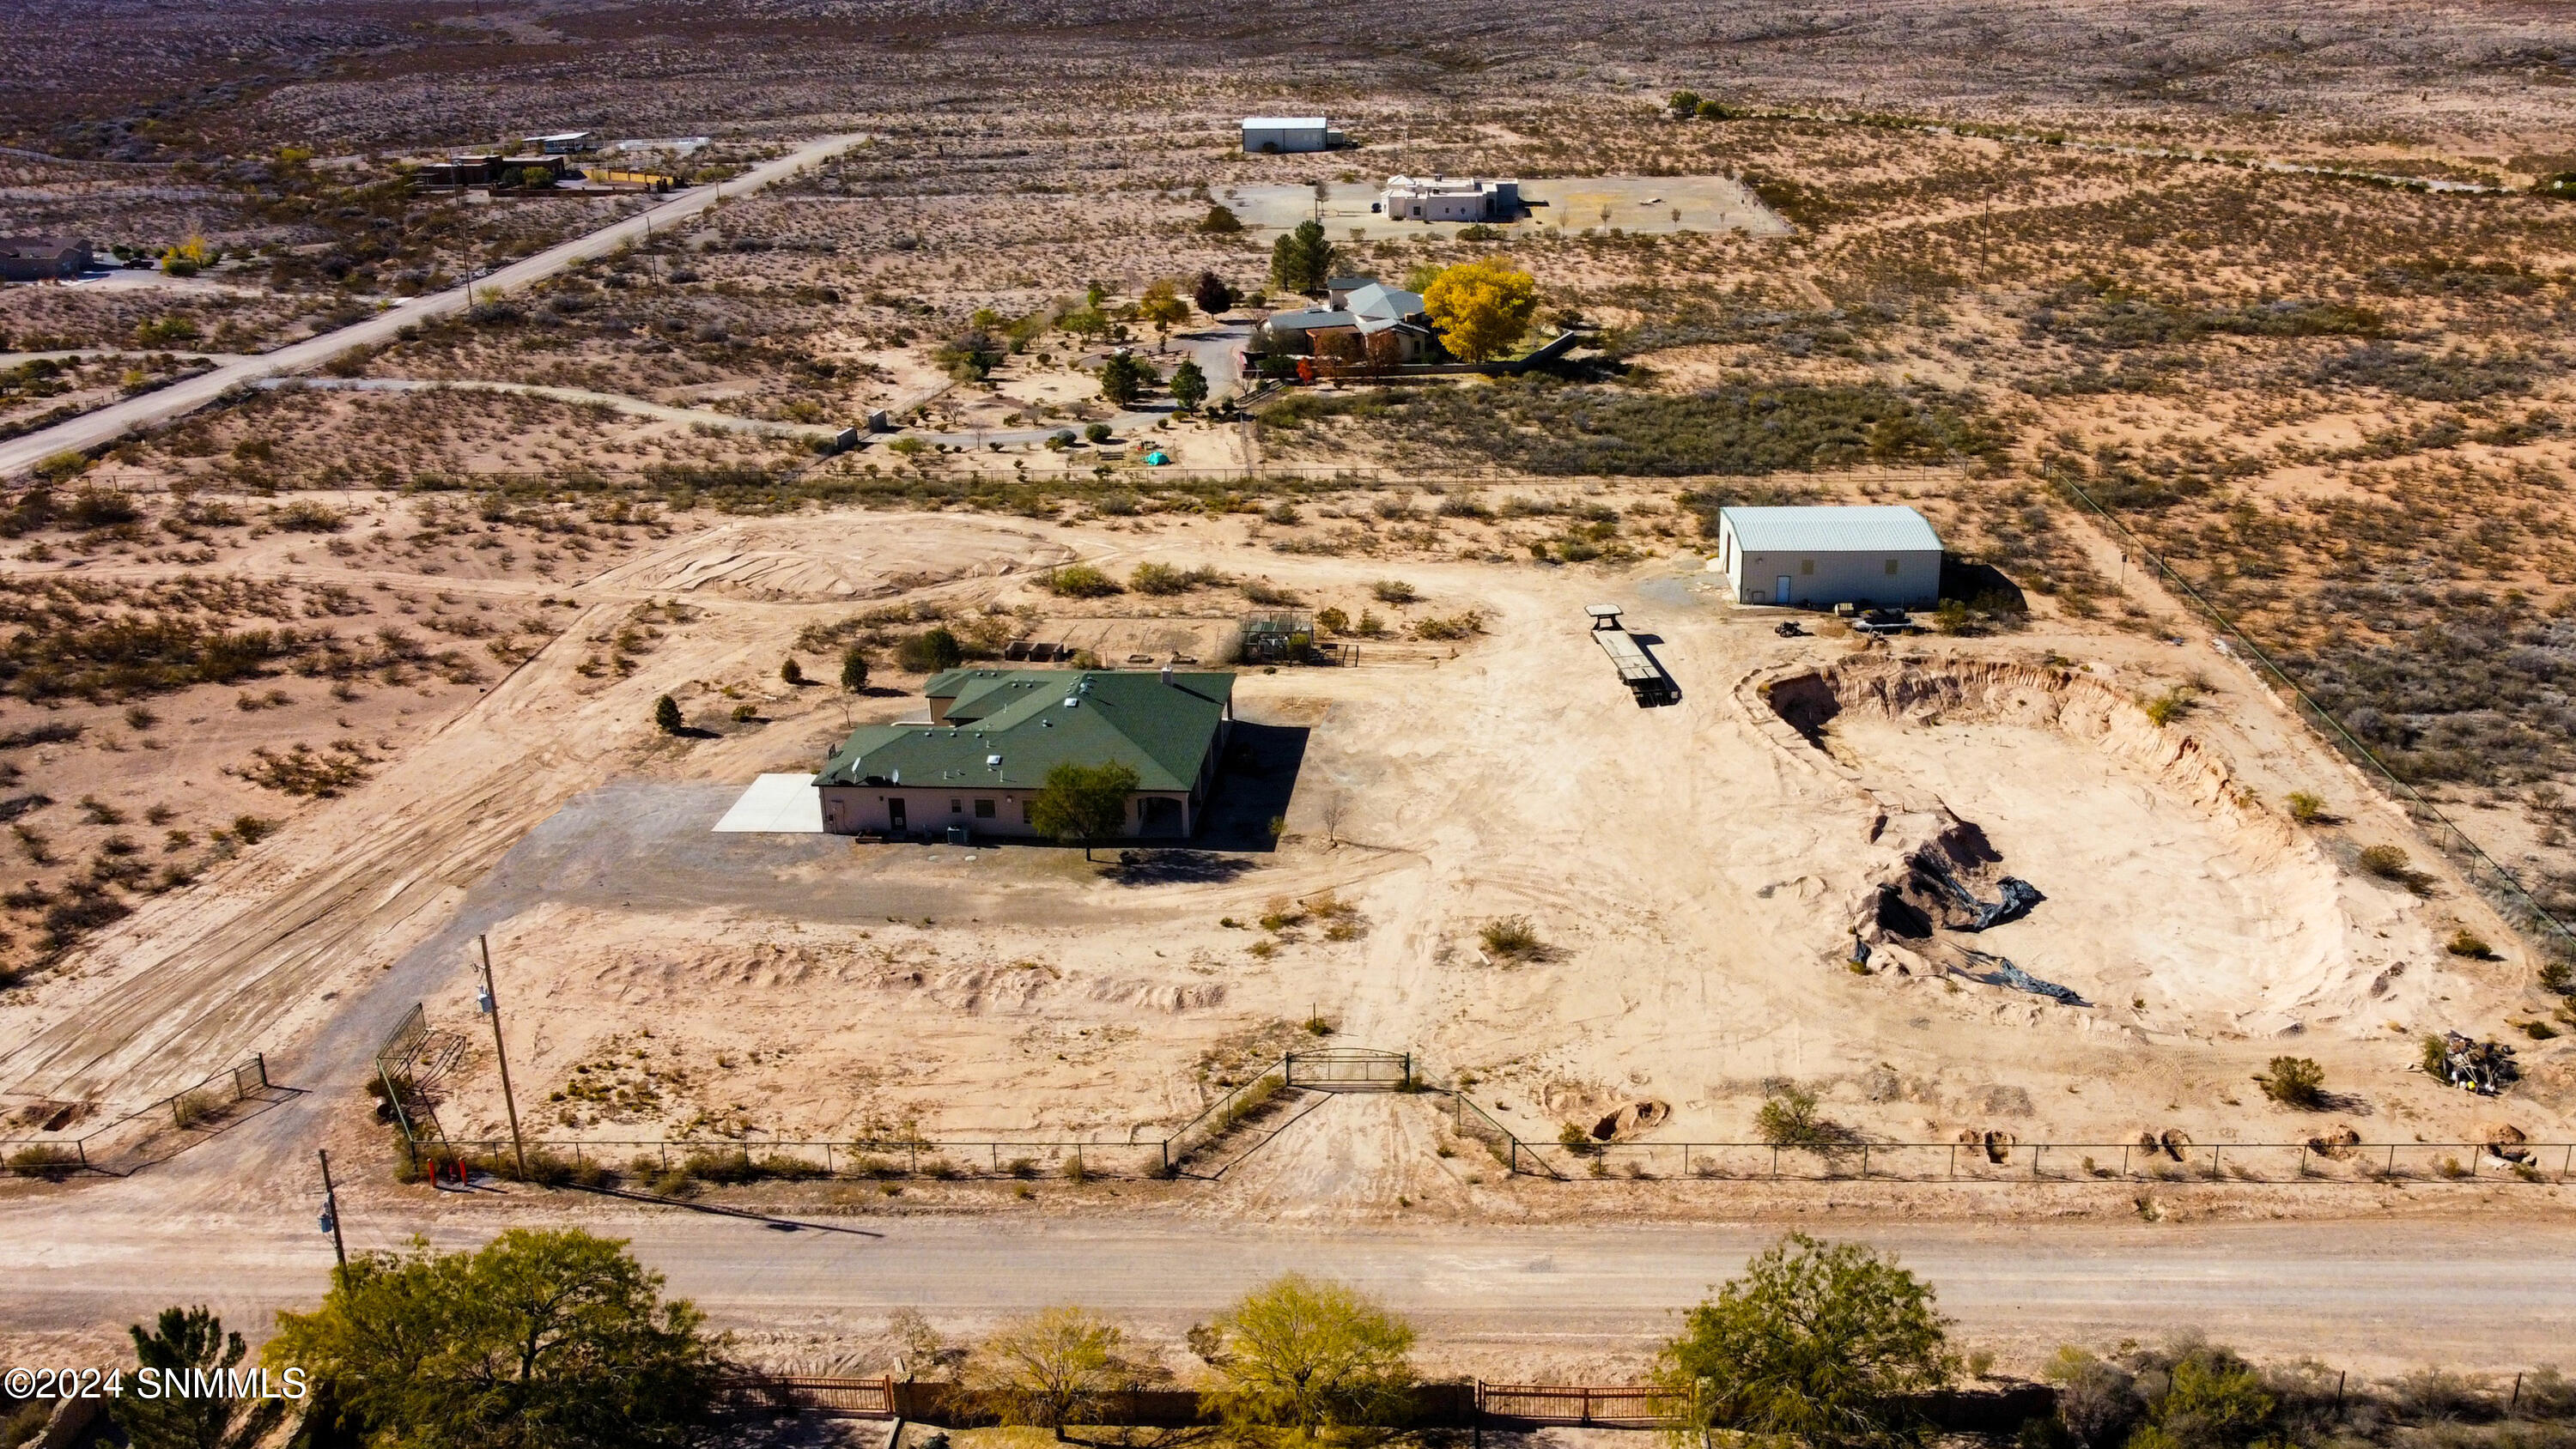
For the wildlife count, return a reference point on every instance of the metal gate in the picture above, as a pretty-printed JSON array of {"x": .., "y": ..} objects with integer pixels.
[{"x": 1350, "y": 1069}]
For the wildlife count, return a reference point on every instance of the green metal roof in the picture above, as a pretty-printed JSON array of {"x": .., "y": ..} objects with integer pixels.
[{"x": 1008, "y": 727}]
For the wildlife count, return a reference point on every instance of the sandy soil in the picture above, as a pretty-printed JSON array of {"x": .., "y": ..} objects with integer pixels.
[{"x": 1043, "y": 997}]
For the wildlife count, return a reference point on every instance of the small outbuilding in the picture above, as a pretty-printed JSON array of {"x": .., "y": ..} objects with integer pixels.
[
  {"x": 1279, "y": 135},
  {"x": 1886, "y": 556}
]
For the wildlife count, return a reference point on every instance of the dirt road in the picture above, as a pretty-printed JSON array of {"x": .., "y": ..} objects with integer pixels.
[
  {"x": 2385, "y": 1296},
  {"x": 91, "y": 429}
]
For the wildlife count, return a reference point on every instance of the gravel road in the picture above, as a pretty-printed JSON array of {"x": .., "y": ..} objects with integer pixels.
[
  {"x": 2378, "y": 1295},
  {"x": 91, "y": 429}
]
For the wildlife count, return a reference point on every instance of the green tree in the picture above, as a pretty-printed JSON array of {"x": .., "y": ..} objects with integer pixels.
[
  {"x": 2295, "y": 1082},
  {"x": 1302, "y": 260},
  {"x": 1481, "y": 308},
  {"x": 1816, "y": 1342},
  {"x": 1311, "y": 1357},
  {"x": 1083, "y": 804},
  {"x": 930, "y": 651},
  {"x": 666, "y": 715},
  {"x": 1212, "y": 295},
  {"x": 1162, "y": 309},
  {"x": 854, "y": 670},
  {"x": 1220, "y": 221},
  {"x": 181, "y": 1343},
  {"x": 791, "y": 672},
  {"x": 542, "y": 1339},
  {"x": 1123, "y": 378},
  {"x": 1051, "y": 1367},
  {"x": 1189, "y": 384}
]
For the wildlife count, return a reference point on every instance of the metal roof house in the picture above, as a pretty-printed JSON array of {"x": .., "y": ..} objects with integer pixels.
[
  {"x": 993, "y": 735},
  {"x": 1361, "y": 305},
  {"x": 1886, "y": 556},
  {"x": 1277, "y": 135}
]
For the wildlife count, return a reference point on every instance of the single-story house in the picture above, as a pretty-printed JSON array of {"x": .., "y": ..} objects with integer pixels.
[
  {"x": 1278, "y": 135},
  {"x": 1447, "y": 198},
  {"x": 1886, "y": 556},
  {"x": 1361, "y": 306},
  {"x": 42, "y": 258},
  {"x": 561, "y": 143},
  {"x": 993, "y": 734}
]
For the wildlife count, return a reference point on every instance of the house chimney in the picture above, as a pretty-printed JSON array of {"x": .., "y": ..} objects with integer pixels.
[{"x": 1167, "y": 674}]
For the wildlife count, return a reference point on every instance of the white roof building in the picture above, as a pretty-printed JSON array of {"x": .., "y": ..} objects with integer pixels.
[
  {"x": 1449, "y": 198},
  {"x": 1818, "y": 557},
  {"x": 1283, "y": 134}
]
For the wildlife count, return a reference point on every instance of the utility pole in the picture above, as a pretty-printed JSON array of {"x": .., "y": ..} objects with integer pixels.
[
  {"x": 490, "y": 1005},
  {"x": 331, "y": 1213}
]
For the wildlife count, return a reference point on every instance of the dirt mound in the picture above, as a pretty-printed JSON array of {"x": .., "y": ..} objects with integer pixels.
[
  {"x": 1631, "y": 1119},
  {"x": 2337, "y": 1144},
  {"x": 2505, "y": 1141}
]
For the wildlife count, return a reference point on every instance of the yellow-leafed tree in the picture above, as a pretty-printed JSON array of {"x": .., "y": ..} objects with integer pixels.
[{"x": 1481, "y": 307}]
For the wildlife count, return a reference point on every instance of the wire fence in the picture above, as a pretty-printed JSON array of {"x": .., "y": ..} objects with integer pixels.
[
  {"x": 151, "y": 1133},
  {"x": 1181, "y": 1152},
  {"x": 2483, "y": 870},
  {"x": 2222, "y": 1162}
]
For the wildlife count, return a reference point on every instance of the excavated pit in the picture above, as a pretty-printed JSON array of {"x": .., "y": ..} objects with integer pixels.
[{"x": 2036, "y": 831}]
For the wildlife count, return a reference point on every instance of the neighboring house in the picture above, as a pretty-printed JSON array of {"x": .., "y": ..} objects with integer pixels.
[
  {"x": 1818, "y": 557},
  {"x": 1359, "y": 306},
  {"x": 42, "y": 258},
  {"x": 995, "y": 733},
  {"x": 561, "y": 143},
  {"x": 1278, "y": 135},
  {"x": 1442, "y": 198}
]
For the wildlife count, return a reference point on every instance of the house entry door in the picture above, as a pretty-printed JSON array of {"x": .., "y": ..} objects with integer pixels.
[
  {"x": 894, "y": 815},
  {"x": 1780, "y": 590}
]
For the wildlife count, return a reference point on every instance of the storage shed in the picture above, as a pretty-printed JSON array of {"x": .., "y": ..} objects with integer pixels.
[
  {"x": 1277, "y": 135},
  {"x": 1887, "y": 556}
]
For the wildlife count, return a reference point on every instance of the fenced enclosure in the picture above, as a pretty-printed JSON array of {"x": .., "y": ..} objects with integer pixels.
[
  {"x": 1615, "y": 1406},
  {"x": 415, "y": 1053},
  {"x": 151, "y": 1133}
]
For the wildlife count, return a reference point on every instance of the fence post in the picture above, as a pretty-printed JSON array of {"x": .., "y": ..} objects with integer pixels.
[
  {"x": 1775, "y": 1164},
  {"x": 2215, "y": 1153},
  {"x": 1954, "y": 1159},
  {"x": 2124, "y": 1162},
  {"x": 2303, "y": 1161},
  {"x": 1864, "y": 1162}
]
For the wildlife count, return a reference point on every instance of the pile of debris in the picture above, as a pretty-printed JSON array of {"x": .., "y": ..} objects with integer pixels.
[
  {"x": 2484, "y": 1067},
  {"x": 1941, "y": 884},
  {"x": 2000, "y": 971}
]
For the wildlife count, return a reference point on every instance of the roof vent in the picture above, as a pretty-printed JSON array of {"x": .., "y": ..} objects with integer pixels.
[
  {"x": 1167, "y": 674},
  {"x": 1072, "y": 700},
  {"x": 897, "y": 777},
  {"x": 993, "y": 760}
]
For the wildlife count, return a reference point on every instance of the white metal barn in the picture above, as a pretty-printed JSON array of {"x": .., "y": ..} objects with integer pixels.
[
  {"x": 1886, "y": 556},
  {"x": 1280, "y": 134}
]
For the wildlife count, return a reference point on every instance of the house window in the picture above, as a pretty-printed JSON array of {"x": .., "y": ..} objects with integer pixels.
[
  {"x": 1024, "y": 812},
  {"x": 983, "y": 809},
  {"x": 1891, "y": 568},
  {"x": 1806, "y": 566},
  {"x": 956, "y": 807}
]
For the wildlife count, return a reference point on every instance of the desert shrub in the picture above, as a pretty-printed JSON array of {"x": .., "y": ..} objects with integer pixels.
[
  {"x": 1267, "y": 594},
  {"x": 1394, "y": 591},
  {"x": 1513, "y": 937},
  {"x": 2295, "y": 1082},
  {"x": 1545, "y": 426},
  {"x": 2306, "y": 808},
  {"x": 303, "y": 515},
  {"x": 1081, "y": 581},
  {"x": 2470, "y": 944},
  {"x": 2169, "y": 706},
  {"x": 1457, "y": 626},
  {"x": 2452, "y": 376},
  {"x": 1789, "y": 1118},
  {"x": 930, "y": 651},
  {"x": 666, "y": 715},
  {"x": 1332, "y": 621},
  {"x": 44, "y": 1160},
  {"x": 1164, "y": 580},
  {"x": 2388, "y": 862}
]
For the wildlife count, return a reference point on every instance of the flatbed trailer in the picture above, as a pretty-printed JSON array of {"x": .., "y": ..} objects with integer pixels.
[{"x": 1637, "y": 669}]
